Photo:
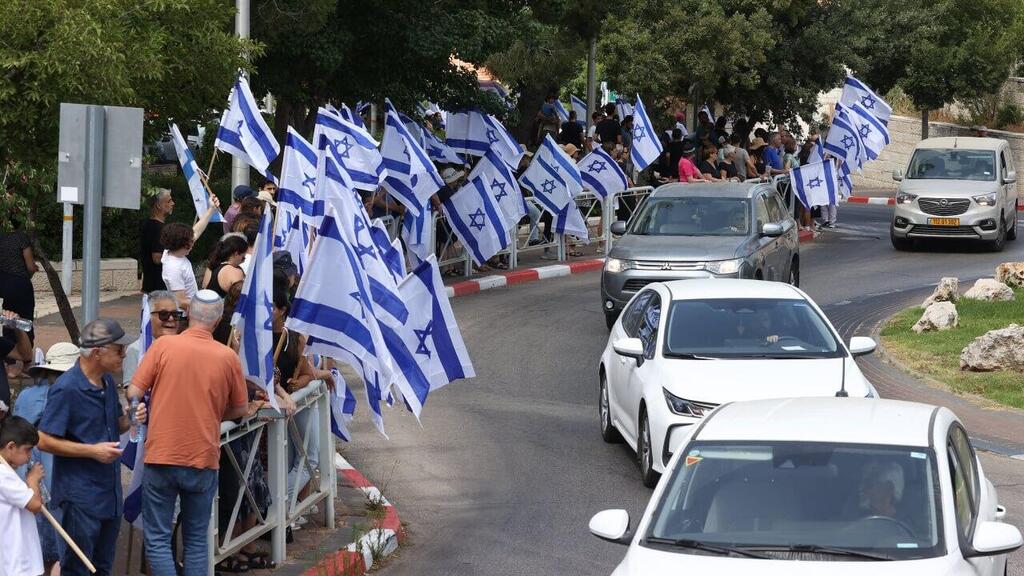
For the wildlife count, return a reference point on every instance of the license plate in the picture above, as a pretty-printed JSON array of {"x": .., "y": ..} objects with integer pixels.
[{"x": 944, "y": 221}]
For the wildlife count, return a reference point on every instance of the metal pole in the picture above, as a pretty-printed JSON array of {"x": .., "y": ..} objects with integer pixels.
[
  {"x": 277, "y": 465},
  {"x": 93, "y": 213},
  {"x": 373, "y": 120},
  {"x": 239, "y": 169},
  {"x": 327, "y": 452},
  {"x": 66, "y": 264},
  {"x": 591, "y": 81}
]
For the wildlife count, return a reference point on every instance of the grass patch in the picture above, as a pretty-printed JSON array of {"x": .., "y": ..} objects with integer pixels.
[{"x": 937, "y": 354}]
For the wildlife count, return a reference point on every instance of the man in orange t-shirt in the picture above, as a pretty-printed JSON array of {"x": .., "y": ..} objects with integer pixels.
[{"x": 195, "y": 383}]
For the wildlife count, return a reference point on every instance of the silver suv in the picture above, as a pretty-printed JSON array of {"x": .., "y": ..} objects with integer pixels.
[
  {"x": 742, "y": 230},
  {"x": 956, "y": 188}
]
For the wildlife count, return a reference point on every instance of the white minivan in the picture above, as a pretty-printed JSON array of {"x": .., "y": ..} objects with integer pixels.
[{"x": 956, "y": 188}]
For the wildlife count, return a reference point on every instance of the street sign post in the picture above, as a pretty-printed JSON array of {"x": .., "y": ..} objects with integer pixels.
[{"x": 99, "y": 164}]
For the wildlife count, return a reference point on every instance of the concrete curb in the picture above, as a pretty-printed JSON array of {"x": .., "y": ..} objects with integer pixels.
[
  {"x": 524, "y": 275},
  {"x": 357, "y": 558},
  {"x": 892, "y": 201}
]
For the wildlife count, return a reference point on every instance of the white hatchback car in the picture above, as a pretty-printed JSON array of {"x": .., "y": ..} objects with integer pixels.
[
  {"x": 681, "y": 348},
  {"x": 837, "y": 486}
]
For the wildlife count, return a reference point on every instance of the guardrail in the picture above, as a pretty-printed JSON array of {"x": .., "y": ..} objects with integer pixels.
[{"x": 313, "y": 409}]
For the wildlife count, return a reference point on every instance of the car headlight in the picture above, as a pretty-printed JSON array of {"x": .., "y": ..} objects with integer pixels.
[
  {"x": 986, "y": 199},
  {"x": 615, "y": 265},
  {"x": 905, "y": 198},
  {"x": 682, "y": 406},
  {"x": 724, "y": 266}
]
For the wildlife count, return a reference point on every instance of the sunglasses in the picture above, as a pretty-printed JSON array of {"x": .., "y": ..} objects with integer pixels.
[{"x": 168, "y": 315}]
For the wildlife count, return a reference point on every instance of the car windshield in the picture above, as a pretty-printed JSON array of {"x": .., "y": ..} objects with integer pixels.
[
  {"x": 748, "y": 328},
  {"x": 794, "y": 497},
  {"x": 693, "y": 216},
  {"x": 952, "y": 164}
]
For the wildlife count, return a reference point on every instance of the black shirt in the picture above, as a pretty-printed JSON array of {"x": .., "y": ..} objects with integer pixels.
[
  {"x": 152, "y": 272},
  {"x": 675, "y": 152},
  {"x": 12, "y": 248},
  {"x": 706, "y": 167},
  {"x": 730, "y": 169},
  {"x": 7, "y": 343},
  {"x": 608, "y": 130},
  {"x": 572, "y": 133}
]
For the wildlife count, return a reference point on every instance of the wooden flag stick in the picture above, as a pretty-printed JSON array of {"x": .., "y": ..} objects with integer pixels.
[
  {"x": 60, "y": 530},
  {"x": 212, "y": 160}
]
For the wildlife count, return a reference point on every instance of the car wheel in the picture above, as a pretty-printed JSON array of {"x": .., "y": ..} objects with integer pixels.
[
  {"x": 645, "y": 453},
  {"x": 1011, "y": 232},
  {"x": 610, "y": 318},
  {"x": 608, "y": 432},
  {"x": 901, "y": 244},
  {"x": 794, "y": 273},
  {"x": 999, "y": 243}
]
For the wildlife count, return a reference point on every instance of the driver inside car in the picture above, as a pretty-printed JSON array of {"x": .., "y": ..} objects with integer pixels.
[
  {"x": 756, "y": 325},
  {"x": 881, "y": 489}
]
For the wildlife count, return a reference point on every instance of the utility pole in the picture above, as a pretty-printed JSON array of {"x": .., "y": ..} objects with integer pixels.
[
  {"x": 239, "y": 169},
  {"x": 591, "y": 81}
]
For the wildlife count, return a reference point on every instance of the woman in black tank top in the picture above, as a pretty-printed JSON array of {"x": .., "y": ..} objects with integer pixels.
[{"x": 222, "y": 266}]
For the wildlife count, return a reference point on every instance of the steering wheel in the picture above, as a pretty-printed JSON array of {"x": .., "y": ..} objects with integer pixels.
[
  {"x": 781, "y": 340},
  {"x": 891, "y": 520}
]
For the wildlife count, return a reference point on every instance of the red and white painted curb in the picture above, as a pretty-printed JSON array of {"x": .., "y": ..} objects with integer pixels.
[
  {"x": 892, "y": 201},
  {"x": 357, "y": 558}
]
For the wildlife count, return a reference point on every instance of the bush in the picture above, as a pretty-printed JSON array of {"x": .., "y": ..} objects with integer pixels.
[{"x": 1009, "y": 115}]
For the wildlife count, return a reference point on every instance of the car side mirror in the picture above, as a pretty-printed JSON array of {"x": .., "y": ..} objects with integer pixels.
[
  {"x": 994, "y": 538},
  {"x": 771, "y": 230},
  {"x": 897, "y": 175},
  {"x": 861, "y": 345},
  {"x": 630, "y": 348},
  {"x": 618, "y": 228},
  {"x": 611, "y": 525},
  {"x": 1010, "y": 177}
]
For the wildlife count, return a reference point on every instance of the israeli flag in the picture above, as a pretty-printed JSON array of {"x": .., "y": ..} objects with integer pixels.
[
  {"x": 845, "y": 181},
  {"x": 562, "y": 164},
  {"x": 815, "y": 184},
  {"x": 843, "y": 140},
  {"x": 501, "y": 141},
  {"x": 332, "y": 185},
  {"x": 296, "y": 243},
  {"x": 432, "y": 332},
  {"x": 348, "y": 114},
  {"x": 554, "y": 189},
  {"x": 466, "y": 133},
  {"x": 200, "y": 197},
  {"x": 817, "y": 153},
  {"x": 243, "y": 133},
  {"x": 416, "y": 233},
  {"x": 857, "y": 92},
  {"x": 707, "y": 110},
  {"x": 298, "y": 182},
  {"x": 438, "y": 151},
  {"x": 343, "y": 406},
  {"x": 477, "y": 220},
  {"x": 352, "y": 147},
  {"x": 502, "y": 184},
  {"x": 580, "y": 108},
  {"x": 623, "y": 109},
  {"x": 374, "y": 390},
  {"x": 874, "y": 135},
  {"x": 601, "y": 174},
  {"x": 254, "y": 313},
  {"x": 389, "y": 251},
  {"x": 134, "y": 453},
  {"x": 412, "y": 178},
  {"x": 563, "y": 114},
  {"x": 333, "y": 307},
  {"x": 646, "y": 147}
]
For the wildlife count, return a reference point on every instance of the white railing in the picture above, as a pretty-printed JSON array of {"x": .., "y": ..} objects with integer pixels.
[{"x": 283, "y": 510}]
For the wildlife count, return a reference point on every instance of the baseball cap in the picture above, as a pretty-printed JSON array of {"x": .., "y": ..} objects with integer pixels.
[
  {"x": 59, "y": 358},
  {"x": 242, "y": 192},
  {"x": 101, "y": 332}
]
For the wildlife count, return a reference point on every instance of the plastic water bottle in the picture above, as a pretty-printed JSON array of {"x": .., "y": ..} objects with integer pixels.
[
  {"x": 44, "y": 494},
  {"x": 18, "y": 323},
  {"x": 137, "y": 432}
]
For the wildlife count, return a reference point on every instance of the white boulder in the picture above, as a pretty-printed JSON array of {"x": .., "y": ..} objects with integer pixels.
[
  {"x": 989, "y": 290},
  {"x": 1011, "y": 274},
  {"x": 1001, "y": 349},
  {"x": 938, "y": 316},
  {"x": 948, "y": 290}
]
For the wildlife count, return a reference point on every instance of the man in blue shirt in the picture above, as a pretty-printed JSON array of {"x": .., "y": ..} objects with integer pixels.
[
  {"x": 772, "y": 156},
  {"x": 80, "y": 426}
]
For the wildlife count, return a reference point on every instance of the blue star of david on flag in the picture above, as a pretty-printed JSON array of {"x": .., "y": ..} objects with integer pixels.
[
  {"x": 865, "y": 130},
  {"x": 492, "y": 136},
  {"x": 548, "y": 186},
  {"x": 355, "y": 296},
  {"x": 868, "y": 101},
  {"x": 343, "y": 142},
  {"x": 476, "y": 219},
  {"x": 597, "y": 167},
  {"x": 814, "y": 182},
  {"x": 638, "y": 133},
  {"x": 501, "y": 189},
  {"x": 848, "y": 142},
  {"x": 309, "y": 182},
  {"x": 422, "y": 335}
]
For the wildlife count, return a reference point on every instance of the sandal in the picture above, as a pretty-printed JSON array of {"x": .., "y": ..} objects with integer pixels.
[
  {"x": 259, "y": 561},
  {"x": 233, "y": 565}
]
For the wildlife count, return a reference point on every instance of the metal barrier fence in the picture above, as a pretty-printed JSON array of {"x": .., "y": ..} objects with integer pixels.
[
  {"x": 529, "y": 238},
  {"x": 313, "y": 412}
]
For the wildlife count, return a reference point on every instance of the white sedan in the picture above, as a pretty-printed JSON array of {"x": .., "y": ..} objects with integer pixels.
[
  {"x": 837, "y": 486},
  {"x": 681, "y": 348}
]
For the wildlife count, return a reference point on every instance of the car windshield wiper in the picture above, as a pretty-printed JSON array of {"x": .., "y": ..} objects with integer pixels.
[
  {"x": 784, "y": 356},
  {"x": 816, "y": 549},
  {"x": 722, "y": 549},
  {"x": 688, "y": 356}
]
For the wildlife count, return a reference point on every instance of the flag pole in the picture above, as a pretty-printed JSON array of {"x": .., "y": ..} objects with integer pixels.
[
  {"x": 212, "y": 160},
  {"x": 60, "y": 530}
]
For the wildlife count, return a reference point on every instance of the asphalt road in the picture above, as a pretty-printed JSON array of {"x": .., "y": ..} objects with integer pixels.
[{"x": 506, "y": 469}]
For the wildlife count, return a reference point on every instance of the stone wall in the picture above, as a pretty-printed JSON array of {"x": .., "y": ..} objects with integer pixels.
[
  {"x": 116, "y": 274},
  {"x": 905, "y": 133}
]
